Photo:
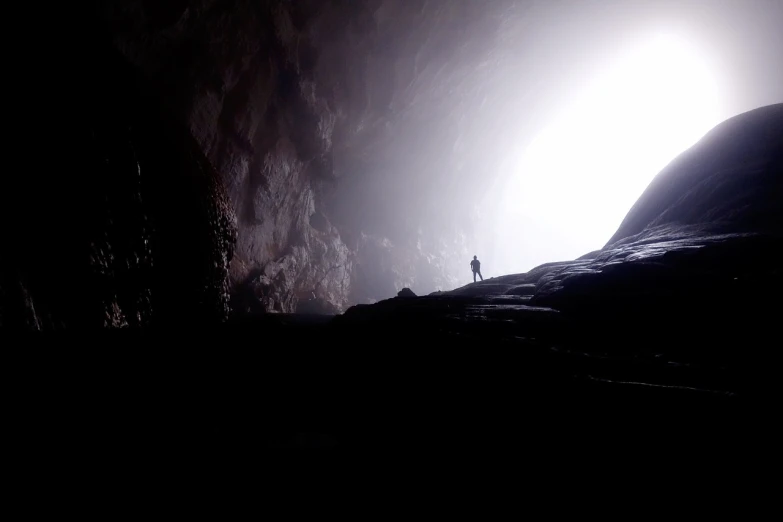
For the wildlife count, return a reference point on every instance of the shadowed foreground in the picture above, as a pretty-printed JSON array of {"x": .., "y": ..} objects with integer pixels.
[{"x": 663, "y": 340}]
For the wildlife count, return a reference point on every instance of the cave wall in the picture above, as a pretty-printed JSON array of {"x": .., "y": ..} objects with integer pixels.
[
  {"x": 117, "y": 219},
  {"x": 315, "y": 115}
]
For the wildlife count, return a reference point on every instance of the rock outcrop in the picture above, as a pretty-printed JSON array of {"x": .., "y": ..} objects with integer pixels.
[{"x": 730, "y": 182}]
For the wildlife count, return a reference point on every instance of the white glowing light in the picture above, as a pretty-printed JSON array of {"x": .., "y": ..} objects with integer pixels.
[{"x": 581, "y": 175}]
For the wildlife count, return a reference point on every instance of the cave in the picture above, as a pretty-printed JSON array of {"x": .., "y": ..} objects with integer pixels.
[{"x": 241, "y": 225}]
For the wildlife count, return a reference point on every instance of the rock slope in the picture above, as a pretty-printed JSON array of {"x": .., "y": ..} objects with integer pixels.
[{"x": 686, "y": 290}]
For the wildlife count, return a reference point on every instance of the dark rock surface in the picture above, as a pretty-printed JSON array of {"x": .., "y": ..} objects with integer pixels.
[
  {"x": 729, "y": 182},
  {"x": 120, "y": 220},
  {"x": 406, "y": 292}
]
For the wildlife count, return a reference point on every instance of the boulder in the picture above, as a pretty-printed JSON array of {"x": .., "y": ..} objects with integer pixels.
[{"x": 406, "y": 292}]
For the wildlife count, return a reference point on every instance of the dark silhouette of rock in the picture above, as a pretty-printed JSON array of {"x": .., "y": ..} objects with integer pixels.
[
  {"x": 316, "y": 306},
  {"x": 687, "y": 279},
  {"x": 528, "y": 289},
  {"x": 729, "y": 182},
  {"x": 126, "y": 222},
  {"x": 406, "y": 292}
]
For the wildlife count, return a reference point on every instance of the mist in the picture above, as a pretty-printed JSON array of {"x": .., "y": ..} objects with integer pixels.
[{"x": 533, "y": 127}]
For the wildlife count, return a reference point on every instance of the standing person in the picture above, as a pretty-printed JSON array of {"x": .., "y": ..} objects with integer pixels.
[{"x": 475, "y": 265}]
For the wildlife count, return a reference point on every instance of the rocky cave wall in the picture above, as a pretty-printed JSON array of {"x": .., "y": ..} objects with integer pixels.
[
  {"x": 316, "y": 114},
  {"x": 117, "y": 218}
]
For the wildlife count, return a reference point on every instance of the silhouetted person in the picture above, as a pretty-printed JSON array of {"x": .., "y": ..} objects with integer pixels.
[{"x": 475, "y": 265}]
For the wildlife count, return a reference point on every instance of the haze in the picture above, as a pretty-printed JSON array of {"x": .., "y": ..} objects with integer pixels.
[
  {"x": 534, "y": 139},
  {"x": 651, "y": 78}
]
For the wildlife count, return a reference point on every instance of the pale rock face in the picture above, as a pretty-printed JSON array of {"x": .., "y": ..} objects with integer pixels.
[{"x": 306, "y": 107}]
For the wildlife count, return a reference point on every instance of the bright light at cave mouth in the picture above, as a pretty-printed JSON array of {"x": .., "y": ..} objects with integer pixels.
[{"x": 579, "y": 177}]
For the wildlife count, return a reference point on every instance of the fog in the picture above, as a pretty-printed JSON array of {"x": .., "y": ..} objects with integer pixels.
[
  {"x": 652, "y": 78},
  {"x": 535, "y": 127}
]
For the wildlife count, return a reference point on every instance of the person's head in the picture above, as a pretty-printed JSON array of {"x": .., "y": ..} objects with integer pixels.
[{"x": 474, "y": 257}]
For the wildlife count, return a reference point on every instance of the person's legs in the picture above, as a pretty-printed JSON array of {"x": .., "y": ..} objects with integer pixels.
[
  {"x": 474, "y": 276},
  {"x": 481, "y": 276}
]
